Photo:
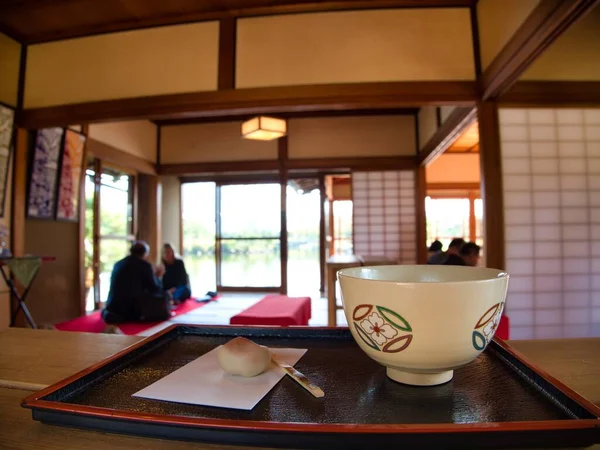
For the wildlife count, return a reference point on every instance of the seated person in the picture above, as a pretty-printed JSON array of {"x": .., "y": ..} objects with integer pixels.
[
  {"x": 175, "y": 279},
  {"x": 135, "y": 294},
  {"x": 434, "y": 249},
  {"x": 453, "y": 249},
  {"x": 469, "y": 256}
]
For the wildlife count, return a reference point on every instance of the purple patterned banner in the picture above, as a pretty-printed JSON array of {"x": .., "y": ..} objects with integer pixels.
[{"x": 44, "y": 173}]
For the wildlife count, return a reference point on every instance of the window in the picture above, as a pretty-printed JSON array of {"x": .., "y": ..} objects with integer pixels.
[
  {"x": 248, "y": 237},
  {"x": 451, "y": 217},
  {"x": 199, "y": 234},
  {"x": 114, "y": 232},
  {"x": 342, "y": 227}
]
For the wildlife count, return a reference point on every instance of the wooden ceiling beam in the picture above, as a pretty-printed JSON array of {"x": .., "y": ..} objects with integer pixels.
[
  {"x": 552, "y": 94},
  {"x": 202, "y": 11},
  {"x": 274, "y": 100},
  {"x": 454, "y": 126},
  {"x": 292, "y": 115},
  {"x": 270, "y": 166},
  {"x": 542, "y": 27}
]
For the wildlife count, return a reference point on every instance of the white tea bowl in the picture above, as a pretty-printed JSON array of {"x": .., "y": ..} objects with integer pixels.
[{"x": 422, "y": 322}]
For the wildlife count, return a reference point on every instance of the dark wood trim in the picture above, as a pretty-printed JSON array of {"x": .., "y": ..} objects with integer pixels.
[
  {"x": 227, "y": 178},
  {"x": 21, "y": 85},
  {"x": 294, "y": 115},
  {"x": 332, "y": 230},
  {"x": 374, "y": 163},
  {"x": 453, "y": 186},
  {"x": 96, "y": 232},
  {"x": 475, "y": 39},
  {"x": 227, "y": 51},
  {"x": 110, "y": 154},
  {"x": 533, "y": 94},
  {"x": 361, "y": 164},
  {"x": 421, "y": 233},
  {"x": 19, "y": 192},
  {"x": 216, "y": 167},
  {"x": 158, "y": 146},
  {"x": 202, "y": 16},
  {"x": 438, "y": 116},
  {"x": 417, "y": 135},
  {"x": 81, "y": 224},
  {"x": 180, "y": 243},
  {"x": 282, "y": 153},
  {"x": 456, "y": 123},
  {"x": 543, "y": 26},
  {"x": 491, "y": 185},
  {"x": 322, "y": 231},
  {"x": 271, "y": 100}
]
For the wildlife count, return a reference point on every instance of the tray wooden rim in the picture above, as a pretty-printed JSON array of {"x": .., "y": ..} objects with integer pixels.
[{"x": 34, "y": 401}]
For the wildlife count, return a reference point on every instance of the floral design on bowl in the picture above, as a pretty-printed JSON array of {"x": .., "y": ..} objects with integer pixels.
[
  {"x": 381, "y": 328},
  {"x": 486, "y": 326}
]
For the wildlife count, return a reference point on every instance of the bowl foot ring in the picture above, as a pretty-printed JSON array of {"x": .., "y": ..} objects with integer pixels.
[{"x": 420, "y": 379}]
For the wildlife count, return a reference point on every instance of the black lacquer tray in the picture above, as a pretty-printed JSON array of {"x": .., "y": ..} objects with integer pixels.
[{"x": 498, "y": 401}]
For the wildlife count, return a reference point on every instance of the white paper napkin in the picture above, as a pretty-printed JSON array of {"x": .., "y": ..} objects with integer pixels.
[{"x": 203, "y": 382}]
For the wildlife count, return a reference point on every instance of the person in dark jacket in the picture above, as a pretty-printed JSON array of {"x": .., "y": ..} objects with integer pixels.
[
  {"x": 469, "y": 256},
  {"x": 135, "y": 294},
  {"x": 453, "y": 250},
  {"x": 175, "y": 279}
]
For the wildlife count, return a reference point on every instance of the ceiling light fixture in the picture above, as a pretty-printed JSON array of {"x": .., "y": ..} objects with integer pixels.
[{"x": 264, "y": 128}]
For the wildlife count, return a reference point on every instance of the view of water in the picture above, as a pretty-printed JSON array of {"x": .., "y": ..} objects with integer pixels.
[{"x": 255, "y": 270}]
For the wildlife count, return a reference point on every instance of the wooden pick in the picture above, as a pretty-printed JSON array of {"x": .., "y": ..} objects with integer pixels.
[{"x": 300, "y": 378}]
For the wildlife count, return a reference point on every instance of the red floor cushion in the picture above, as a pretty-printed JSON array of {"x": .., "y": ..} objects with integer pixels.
[
  {"x": 275, "y": 310},
  {"x": 93, "y": 323}
]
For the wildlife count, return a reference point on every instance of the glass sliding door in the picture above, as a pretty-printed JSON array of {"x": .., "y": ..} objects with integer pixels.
[
  {"x": 109, "y": 227},
  {"x": 303, "y": 224},
  {"x": 199, "y": 235},
  {"x": 249, "y": 236},
  {"x": 116, "y": 223},
  {"x": 342, "y": 227}
]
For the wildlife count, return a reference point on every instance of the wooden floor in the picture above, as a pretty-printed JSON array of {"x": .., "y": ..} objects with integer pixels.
[{"x": 230, "y": 304}]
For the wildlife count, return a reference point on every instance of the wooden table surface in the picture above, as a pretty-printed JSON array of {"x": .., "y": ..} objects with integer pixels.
[{"x": 45, "y": 357}]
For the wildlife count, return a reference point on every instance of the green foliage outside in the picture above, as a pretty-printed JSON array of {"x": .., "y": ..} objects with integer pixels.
[{"x": 113, "y": 222}]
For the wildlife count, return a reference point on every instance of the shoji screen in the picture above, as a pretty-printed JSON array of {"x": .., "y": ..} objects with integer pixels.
[
  {"x": 384, "y": 214},
  {"x": 551, "y": 170}
]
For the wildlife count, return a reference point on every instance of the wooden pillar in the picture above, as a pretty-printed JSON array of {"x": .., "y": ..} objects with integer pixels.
[
  {"x": 331, "y": 229},
  {"x": 96, "y": 232},
  {"x": 19, "y": 192},
  {"x": 491, "y": 185},
  {"x": 472, "y": 218},
  {"x": 81, "y": 228},
  {"x": 19, "y": 208},
  {"x": 149, "y": 213},
  {"x": 322, "y": 230},
  {"x": 283, "y": 180},
  {"x": 420, "y": 194}
]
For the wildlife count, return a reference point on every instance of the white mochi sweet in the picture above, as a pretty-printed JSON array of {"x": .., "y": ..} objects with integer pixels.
[{"x": 241, "y": 356}]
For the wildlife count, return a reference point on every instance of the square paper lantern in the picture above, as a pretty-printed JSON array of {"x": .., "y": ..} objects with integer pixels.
[{"x": 264, "y": 128}]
